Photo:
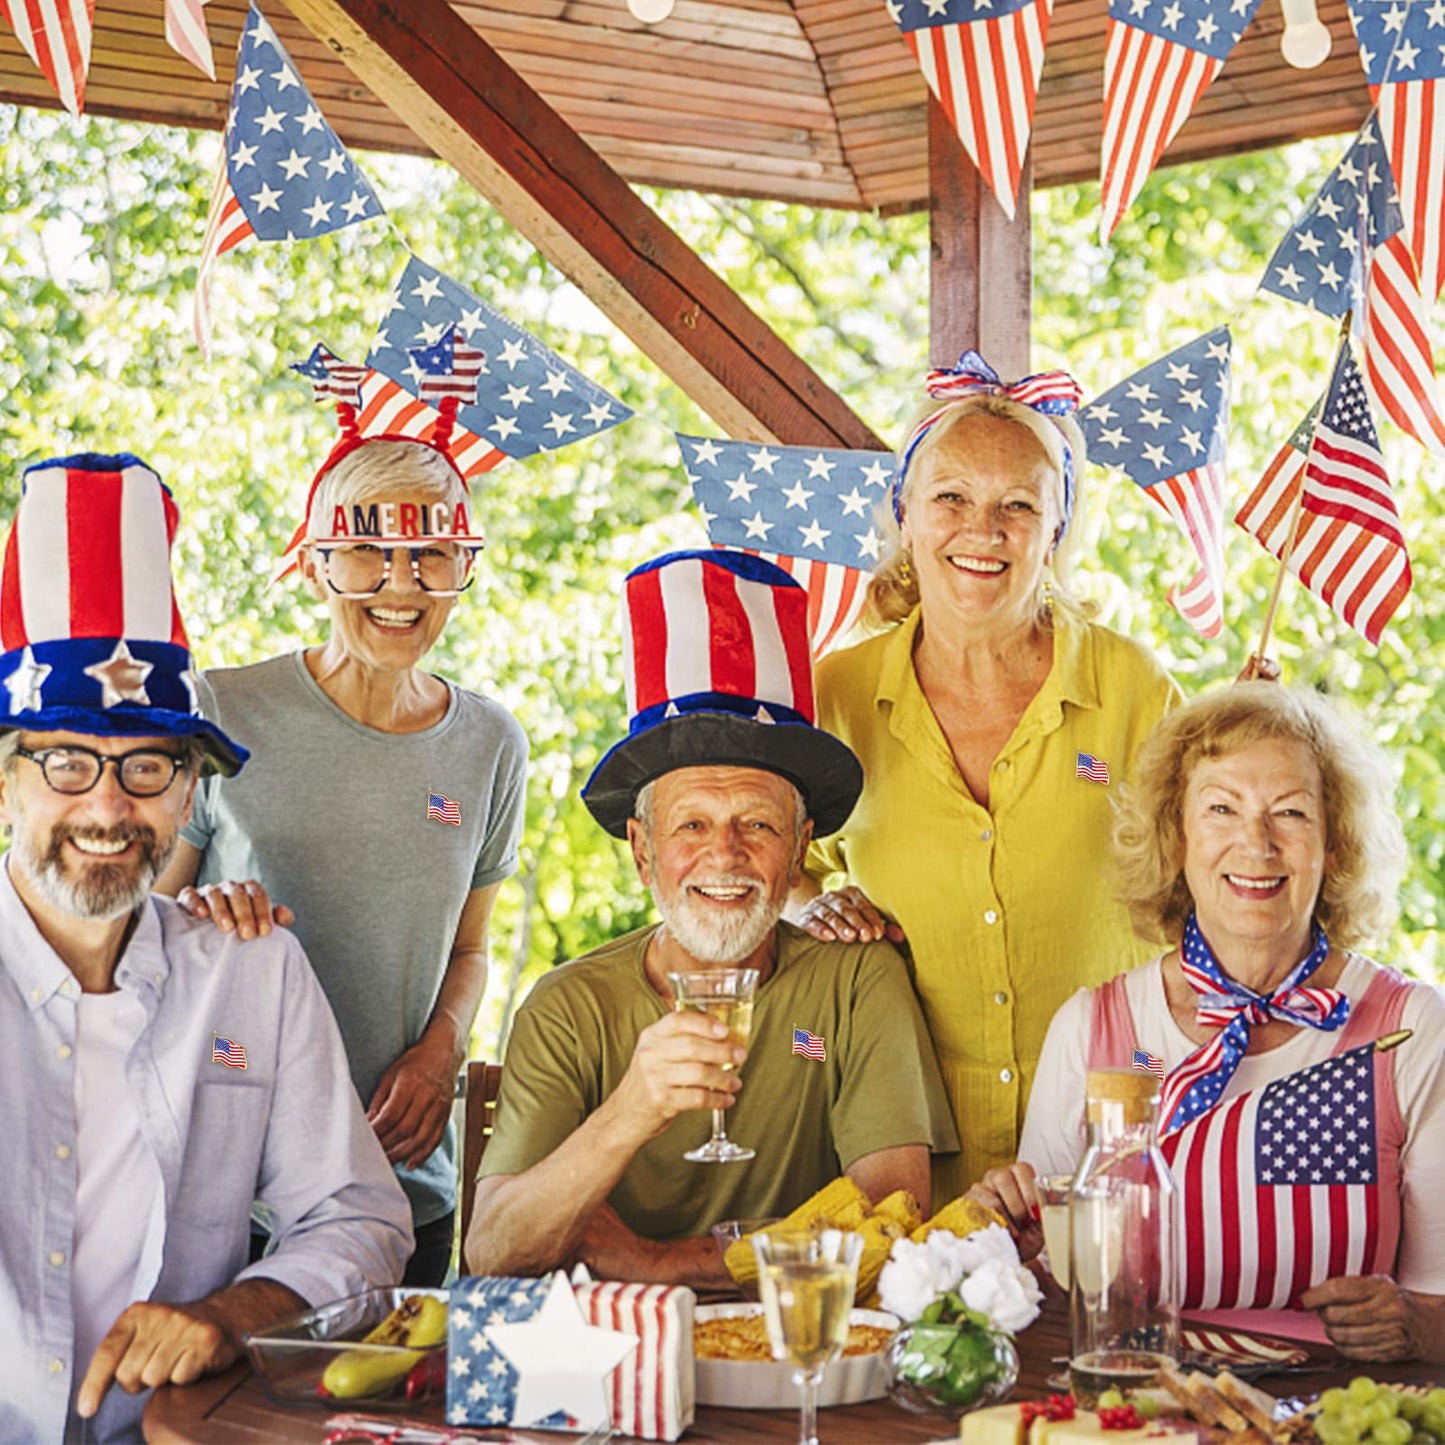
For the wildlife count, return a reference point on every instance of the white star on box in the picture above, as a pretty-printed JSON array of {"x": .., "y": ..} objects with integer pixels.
[
  {"x": 121, "y": 677},
  {"x": 562, "y": 1362}
]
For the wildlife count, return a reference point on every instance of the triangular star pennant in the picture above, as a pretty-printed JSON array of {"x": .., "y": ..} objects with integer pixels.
[
  {"x": 981, "y": 59},
  {"x": 1402, "y": 49},
  {"x": 1160, "y": 58},
  {"x": 284, "y": 175},
  {"x": 1348, "y": 252},
  {"x": 1167, "y": 429},
  {"x": 809, "y": 510},
  {"x": 56, "y": 36},
  {"x": 528, "y": 399},
  {"x": 1349, "y": 548}
]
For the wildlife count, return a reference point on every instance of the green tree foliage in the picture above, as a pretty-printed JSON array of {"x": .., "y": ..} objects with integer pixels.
[{"x": 100, "y": 232}]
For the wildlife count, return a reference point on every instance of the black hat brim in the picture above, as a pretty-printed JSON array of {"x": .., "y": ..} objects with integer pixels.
[{"x": 822, "y": 768}]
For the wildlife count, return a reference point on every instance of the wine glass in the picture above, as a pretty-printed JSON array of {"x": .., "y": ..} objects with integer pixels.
[
  {"x": 725, "y": 994},
  {"x": 805, "y": 1281}
]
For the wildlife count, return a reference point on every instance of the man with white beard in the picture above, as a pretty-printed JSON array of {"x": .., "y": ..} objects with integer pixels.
[
  {"x": 718, "y": 788},
  {"x": 156, "y": 1075}
]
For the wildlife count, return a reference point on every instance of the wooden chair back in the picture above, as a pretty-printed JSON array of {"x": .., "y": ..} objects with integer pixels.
[{"x": 483, "y": 1083}]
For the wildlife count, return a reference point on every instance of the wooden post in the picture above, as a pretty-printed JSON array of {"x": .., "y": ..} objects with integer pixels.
[
  {"x": 981, "y": 286},
  {"x": 427, "y": 63}
]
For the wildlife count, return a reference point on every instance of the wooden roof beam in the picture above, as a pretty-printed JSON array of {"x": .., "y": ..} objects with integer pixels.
[{"x": 443, "y": 79}]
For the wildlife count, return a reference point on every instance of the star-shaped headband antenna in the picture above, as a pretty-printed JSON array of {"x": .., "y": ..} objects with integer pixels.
[{"x": 446, "y": 373}]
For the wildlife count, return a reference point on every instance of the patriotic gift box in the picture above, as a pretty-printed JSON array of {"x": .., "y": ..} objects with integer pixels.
[{"x": 547, "y": 1354}]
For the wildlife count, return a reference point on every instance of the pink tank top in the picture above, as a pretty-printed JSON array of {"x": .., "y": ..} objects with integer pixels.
[{"x": 1294, "y": 1182}]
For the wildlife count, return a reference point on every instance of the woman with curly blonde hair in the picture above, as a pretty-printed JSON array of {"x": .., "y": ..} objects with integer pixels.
[
  {"x": 994, "y": 720},
  {"x": 1302, "y": 1104}
]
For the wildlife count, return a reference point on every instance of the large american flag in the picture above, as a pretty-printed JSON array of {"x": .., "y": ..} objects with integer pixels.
[
  {"x": 528, "y": 399},
  {"x": 1400, "y": 49},
  {"x": 1350, "y": 548},
  {"x": 1348, "y": 252},
  {"x": 56, "y": 36},
  {"x": 1280, "y": 1186},
  {"x": 813, "y": 511},
  {"x": 1160, "y": 58},
  {"x": 1167, "y": 429},
  {"x": 283, "y": 174},
  {"x": 982, "y": 59}
]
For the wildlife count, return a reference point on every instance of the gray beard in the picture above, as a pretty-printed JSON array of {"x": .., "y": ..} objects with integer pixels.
[
  {"x": 724, "y": 940},
  {"x": 102, "y": 891}
]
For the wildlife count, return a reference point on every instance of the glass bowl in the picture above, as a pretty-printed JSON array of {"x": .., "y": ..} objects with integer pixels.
[{"x": 292, "y": 1356}]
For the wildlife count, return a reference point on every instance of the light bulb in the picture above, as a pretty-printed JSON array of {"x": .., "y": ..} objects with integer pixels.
[
  {"x": 651, "y": 11},
  {"x": 1305, "y": 42}
]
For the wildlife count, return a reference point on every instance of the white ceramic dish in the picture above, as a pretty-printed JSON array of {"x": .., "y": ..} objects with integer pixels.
[{"x": 768, "y": 1385}]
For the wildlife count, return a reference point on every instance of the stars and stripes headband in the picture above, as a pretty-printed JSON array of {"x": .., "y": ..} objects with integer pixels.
[
  {"x": 446, "y": 373},
  {"x": 1050, "y": 393},
  {"x": 1198, "y": 1083}
]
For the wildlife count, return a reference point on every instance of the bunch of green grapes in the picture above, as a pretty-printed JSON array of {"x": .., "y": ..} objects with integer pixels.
[{"x": 1367, "y": 1410}]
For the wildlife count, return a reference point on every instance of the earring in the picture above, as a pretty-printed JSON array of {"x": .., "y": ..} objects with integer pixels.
[
  {"x": 905, "y": 569},
  {"x": 1048, "y": 597}
]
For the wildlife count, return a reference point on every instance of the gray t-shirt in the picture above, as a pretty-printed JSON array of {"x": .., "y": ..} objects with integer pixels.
[{"x": 339, "y": 821}]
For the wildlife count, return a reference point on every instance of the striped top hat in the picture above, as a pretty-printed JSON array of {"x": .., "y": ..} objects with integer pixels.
[
  {"x": 93, "y": 640},
  {"x": 716, "y": 657}
]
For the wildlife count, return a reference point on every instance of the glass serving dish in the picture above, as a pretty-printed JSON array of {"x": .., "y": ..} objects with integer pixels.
[{"x": 292, "y": 1357}]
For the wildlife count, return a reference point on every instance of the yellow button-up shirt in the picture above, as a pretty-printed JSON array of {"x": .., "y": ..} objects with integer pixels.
[{"x": 1008, "y": 909}]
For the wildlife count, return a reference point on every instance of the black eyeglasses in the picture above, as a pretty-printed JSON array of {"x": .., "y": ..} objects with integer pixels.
[{"x": 144, "y": 773}]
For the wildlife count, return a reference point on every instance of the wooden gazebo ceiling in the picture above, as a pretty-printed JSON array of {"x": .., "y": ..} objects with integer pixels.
[{"x": 817, "y": 101}]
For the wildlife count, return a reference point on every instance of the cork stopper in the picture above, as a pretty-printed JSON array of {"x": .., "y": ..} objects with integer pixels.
[{"x": 1129, "y": 1095}]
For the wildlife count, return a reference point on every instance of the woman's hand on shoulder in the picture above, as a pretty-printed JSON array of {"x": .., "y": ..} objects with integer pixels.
[
  {"x": 846, "y": 915},
  {"x": 1011, "y": 1192},
  {"x": 243, "y": 908}
]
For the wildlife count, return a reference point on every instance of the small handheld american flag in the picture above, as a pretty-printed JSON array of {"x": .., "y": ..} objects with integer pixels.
[
  {"x": 228, "y": 1052},
  {"x": 1094, "y": 770},
  {"x": 809, "y": 1045}
]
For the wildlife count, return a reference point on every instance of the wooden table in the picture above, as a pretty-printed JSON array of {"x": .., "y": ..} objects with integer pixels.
[{"x": 232, "y": 1409}]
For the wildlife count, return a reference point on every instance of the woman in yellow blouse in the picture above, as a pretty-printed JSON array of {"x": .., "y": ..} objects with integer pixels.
[{"x": 992, "y": 719}]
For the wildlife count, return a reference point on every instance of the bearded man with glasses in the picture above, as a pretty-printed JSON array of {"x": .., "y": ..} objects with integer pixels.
[
  {"x": 384, "y": 806},
  {"x": 156, "y": 1076}
]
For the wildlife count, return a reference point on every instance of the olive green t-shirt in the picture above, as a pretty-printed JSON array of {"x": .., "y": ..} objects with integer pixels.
[{"x": 877, "y": 1088}]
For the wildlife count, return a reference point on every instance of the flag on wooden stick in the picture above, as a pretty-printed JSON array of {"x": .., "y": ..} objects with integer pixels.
[
  {"x": 1402, "y": 48},
  {"x": 811, "y": 511},
  {"x": 981, "y": 59},
  {"x": 1327, "y": 510},
  {"x": 56, "y": 36},
  {"x": 1167, "y": 429},
  {"x": 1160, "y": 57}
]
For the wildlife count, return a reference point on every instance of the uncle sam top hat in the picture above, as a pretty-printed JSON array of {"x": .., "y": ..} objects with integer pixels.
[
  {"x": 93, "y": 640},
  {"x": 716, "y": 659}
]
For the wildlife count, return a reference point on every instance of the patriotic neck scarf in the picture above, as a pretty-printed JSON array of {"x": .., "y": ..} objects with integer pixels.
[
  {"x": 1050, "y": 393},
  {"x": 1195, "y": 1086}
]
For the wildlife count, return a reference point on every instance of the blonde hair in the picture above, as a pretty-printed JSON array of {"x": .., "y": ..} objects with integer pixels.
[
  {"x": 893, "y": 588},
  {"x": 1363, "y": 837}
]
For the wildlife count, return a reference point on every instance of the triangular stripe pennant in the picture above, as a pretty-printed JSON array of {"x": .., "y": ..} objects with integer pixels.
[
  {"x": 56, "y": 35},
  {"x": 981, "y": 59},
  {"x": 1160, "y": 57},
  {"x": 186, "y": 34}
]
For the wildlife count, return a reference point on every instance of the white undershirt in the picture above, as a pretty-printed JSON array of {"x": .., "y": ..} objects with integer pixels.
[{"x": 118, "y": 1189}]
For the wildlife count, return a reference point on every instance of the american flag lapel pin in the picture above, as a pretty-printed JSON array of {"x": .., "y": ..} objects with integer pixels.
[
  {"x": 1149, "y": 1063},
  {"x": 227, "y": 1051},
  {"x": 442, "y": 809},
  {"x": 1092, "y": 769},
  {"x": 809, "y": 1045}
]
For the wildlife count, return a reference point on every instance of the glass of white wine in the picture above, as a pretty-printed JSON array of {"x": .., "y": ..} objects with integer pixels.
[
  {"x": 725, "y": 994},
  {"x": 806, "y": 1280}
]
